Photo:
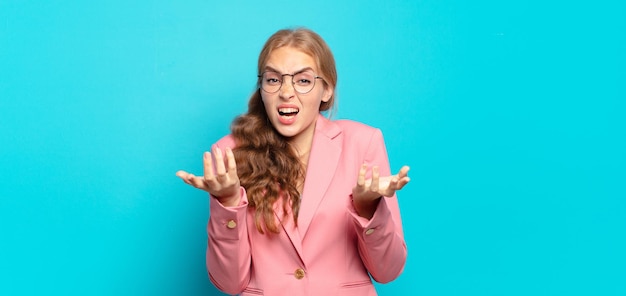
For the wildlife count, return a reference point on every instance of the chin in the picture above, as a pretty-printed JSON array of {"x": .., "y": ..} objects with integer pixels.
[{"x": 286, "y": 133}]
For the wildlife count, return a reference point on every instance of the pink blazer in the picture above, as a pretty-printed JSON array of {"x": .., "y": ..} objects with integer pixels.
[{"x": 333, "y": 251}]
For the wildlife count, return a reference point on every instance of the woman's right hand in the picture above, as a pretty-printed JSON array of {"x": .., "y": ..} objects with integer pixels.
[{"x": 220, "y": 180}]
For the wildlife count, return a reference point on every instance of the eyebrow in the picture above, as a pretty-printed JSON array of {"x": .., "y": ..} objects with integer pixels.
[{"x": 268, "y": 68}]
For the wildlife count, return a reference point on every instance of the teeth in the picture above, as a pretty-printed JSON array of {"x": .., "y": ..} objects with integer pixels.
[{"x": 287, "y": 110}]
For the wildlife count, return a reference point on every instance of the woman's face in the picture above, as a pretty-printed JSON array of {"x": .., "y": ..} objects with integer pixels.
[{"x": 293, "y": 114}]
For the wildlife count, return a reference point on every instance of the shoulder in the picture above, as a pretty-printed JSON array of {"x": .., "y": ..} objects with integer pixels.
[
  {"x": 357, "y": 133},
  {"x": 334, "y": 127},
  {"x": 351, "y": 128},
  {"x": 354, "y": 126},
  {"x": 226, "y": 141},
  {"x": 360, "y": 140}
]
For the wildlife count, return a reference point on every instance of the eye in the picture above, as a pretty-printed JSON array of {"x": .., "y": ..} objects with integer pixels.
[
  {"x": 272, "y": 81},
  {"x": 303, "y": 79},
  {"x": 271, "y": 78}
]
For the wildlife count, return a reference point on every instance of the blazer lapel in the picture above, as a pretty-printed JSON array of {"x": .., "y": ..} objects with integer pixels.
[
  {"x": 323, "y": 161},
  {"x": 290, "y": 228}
]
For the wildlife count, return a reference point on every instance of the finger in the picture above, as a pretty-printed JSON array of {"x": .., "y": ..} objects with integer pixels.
[
  {"x": 403, "y": 182},
  {"x": 361, "y": 179},
  {"x": 375, "y": 177},
  {"x": 184, "y": 176},
  {"x": 393, "y": 183},
  {"x": 195, "y": 181},
  {"x": 208, "y": 168},
  {"x": 181, "y": 174},
  {"x": 220, "y": 168},
  {"x": 404, "y": 171},
  {"x": 232, "y": 165}
]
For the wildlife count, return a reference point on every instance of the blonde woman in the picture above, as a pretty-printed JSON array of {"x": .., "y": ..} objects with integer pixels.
[{"x": 300, "y": 204}]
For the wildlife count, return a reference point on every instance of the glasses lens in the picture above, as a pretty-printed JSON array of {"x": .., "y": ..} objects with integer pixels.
[
  {"x": 304, "y": 82},
  {"x": 271, "y": 81}
]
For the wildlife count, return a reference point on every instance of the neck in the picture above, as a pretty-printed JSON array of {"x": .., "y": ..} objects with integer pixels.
[
  {"x": 302, "y": 144},
  {"x": 302, "y": 152}
]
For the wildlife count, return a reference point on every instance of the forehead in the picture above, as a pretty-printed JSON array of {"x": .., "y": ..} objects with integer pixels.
[{"x": 288, "y": 59}]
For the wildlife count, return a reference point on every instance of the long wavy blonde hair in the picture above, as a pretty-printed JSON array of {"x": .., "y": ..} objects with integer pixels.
[{"x": 268, "y": 166}]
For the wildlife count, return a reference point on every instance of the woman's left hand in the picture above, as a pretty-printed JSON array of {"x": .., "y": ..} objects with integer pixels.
[{"x": 366, "y": 193}]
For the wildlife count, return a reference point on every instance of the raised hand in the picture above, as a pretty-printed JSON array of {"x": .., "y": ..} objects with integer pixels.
[
  {"x": 220, "y": 179},
  {"x": 366, "y": 193}
]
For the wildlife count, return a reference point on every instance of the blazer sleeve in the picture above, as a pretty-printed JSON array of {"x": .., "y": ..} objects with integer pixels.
[
  {"x": 381, "y": 242},
  {"x": 228, "y": 257}
]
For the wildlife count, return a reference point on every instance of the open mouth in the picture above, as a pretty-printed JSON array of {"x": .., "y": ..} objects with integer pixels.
[{"x": 288, "y": 111}]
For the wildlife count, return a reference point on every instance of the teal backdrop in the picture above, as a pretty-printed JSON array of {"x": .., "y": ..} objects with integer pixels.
[{"x": 511, "y": 115}]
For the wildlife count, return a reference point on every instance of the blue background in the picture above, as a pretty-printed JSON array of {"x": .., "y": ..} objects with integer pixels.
[{"x": 510, "y": 113}]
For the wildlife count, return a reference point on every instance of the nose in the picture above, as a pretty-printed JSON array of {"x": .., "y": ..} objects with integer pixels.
[{"x": 287, "y": 91}]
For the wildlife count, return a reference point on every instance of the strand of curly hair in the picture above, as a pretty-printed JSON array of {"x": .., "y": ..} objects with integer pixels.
[{"x": 268, "y": 167}]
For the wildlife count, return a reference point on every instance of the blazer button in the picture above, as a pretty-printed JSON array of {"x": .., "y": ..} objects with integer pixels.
[
  {"x": 231, "y": 224},
  {"x": 299, "y": 274}
]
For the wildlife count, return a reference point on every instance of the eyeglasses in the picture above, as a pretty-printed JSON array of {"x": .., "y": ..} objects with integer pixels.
[{"x": 302, "y": 82}]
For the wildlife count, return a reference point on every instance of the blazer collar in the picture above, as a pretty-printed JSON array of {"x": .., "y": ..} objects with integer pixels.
[{"x": 323, "y": 161}]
